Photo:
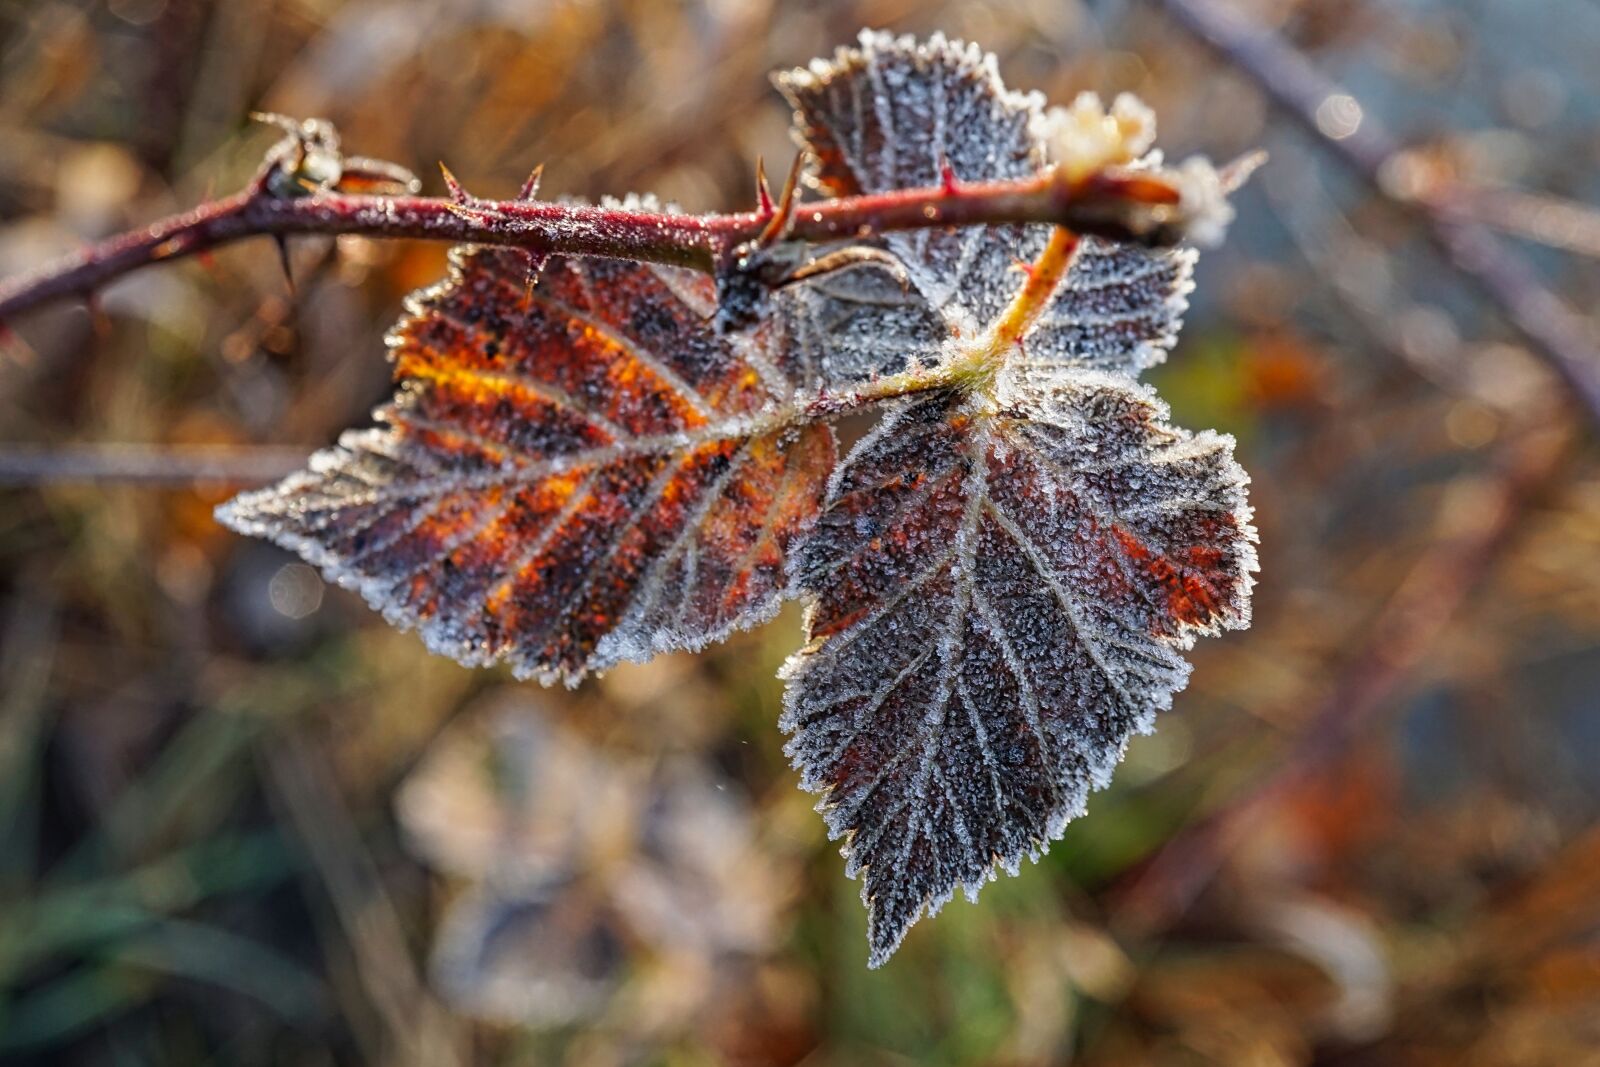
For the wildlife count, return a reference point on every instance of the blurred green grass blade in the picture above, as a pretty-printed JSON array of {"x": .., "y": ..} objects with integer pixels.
[
  {"x": 70, "y": 1005},
  {"x": 209, "y": 954},
  {"x": 62, "y": 919},
  {"x": 188, "y": 788},
  {"x": 27, "y": 658},
  {"x": 93, "y": 994}
]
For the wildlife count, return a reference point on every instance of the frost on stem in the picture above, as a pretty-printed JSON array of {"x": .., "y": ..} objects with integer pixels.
[{"x": 588, "y": 464}]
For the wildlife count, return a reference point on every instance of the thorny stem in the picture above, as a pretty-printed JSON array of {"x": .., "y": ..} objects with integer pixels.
[
  {"x": 972, "y": 371},
  {"x": 1122, "y": 205}
]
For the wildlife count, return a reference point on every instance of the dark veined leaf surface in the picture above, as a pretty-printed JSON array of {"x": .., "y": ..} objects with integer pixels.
[
  {"x": 1001, "y": 588},
  {"x": 890, "y": 112},
  {"x": 854, "y": 324},
  {"x": 574, "y": 472}
]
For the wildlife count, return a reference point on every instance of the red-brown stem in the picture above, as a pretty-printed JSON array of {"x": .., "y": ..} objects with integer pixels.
[{"x": 1121, "y": 206}]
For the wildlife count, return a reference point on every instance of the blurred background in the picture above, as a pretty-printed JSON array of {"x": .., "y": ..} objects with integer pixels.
[{"x": 242, "y": 821}]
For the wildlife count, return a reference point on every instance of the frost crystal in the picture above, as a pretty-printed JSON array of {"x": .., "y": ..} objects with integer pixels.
[
  {"x": 1085, "y": 138},
  {"x": 574, "y": 472},
  {"x": 1204, "y": 201}
]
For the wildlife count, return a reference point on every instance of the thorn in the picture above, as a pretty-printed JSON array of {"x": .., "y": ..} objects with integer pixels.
[
  {"x": 530, "y": 188},
  {"x": 362, "y": 175},
  {"x": 462, "y": 211},
  {"x": 1232, "y": 176},
  {"x": 458, "y": 194},
  {"x": 535, "y": 262},
  {"x": 785, "y": 210},
  {"x": 272, "y": 118},
  {"x": 283, "y": 260},
  {"x": 1023, "y": 265},
  {"x": 763, "y": 194},
  {"x": 845, "y": 259},
  {"x": 98, "y": 319},
  {"x": 947, "y": 176}
]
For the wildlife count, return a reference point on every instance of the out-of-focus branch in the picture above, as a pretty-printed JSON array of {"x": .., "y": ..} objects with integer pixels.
[
  {"x": 1397, "y": 641},
  {"x": 1548, "y": 220},
  {"x": 177, "y": 466},
  {"x": 307, "y": 188},
  {"x": 1552, "y": 330}
]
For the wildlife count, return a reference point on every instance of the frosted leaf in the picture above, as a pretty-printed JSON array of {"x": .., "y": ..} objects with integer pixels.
[
  {"x": 1118, "y": 310},
  {"x": 511, "y": 798},
  {"x": 885, "y": 114},
  {"x": 580, "y": 859},
  {"x": 1001, "y": 587},
  {"x": 573, "y": 472},
  {"x": 698, "y": 880},
  {"x": 851, "y": 325}
]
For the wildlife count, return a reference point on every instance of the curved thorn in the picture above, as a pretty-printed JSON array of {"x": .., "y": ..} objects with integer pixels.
[
  {"x": 457, "y": 193},
  {"x": 467, "y": 212},
  {"x": 763, "y": 194},
  {"x": 530, "y": 188},
  {"x": 272, "y": 118},
  {"x": 779, "y": 225},
  {"x": 283, "y": 260},
  {"x": 1232, "y": 176}
]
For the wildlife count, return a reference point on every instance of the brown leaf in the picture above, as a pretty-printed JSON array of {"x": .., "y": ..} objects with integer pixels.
[
  {"x": 1002, "y": 585},
  {"x": 574, "y": 472}
]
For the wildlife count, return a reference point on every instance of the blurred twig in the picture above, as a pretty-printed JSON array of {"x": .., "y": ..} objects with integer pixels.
[
  {"x": 1552, "y": 330},
  {"x": 169, "y": 465},
  {"x": 1548, "y": 220},
  {"x": 1397, "y": 641}
]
